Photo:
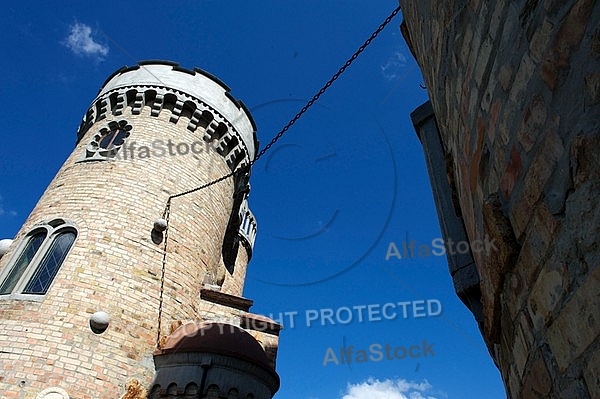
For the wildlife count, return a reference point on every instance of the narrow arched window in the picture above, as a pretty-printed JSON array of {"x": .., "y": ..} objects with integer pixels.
[
  {"x": 48, "y": 267},
  {"x": 36, "y": 262},
  {"x": 27, "y": 254}
]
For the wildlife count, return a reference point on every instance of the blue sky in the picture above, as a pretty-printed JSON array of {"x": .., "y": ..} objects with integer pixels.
[{"x": 347, "y": 179}]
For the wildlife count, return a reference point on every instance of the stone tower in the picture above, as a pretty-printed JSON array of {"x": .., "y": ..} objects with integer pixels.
[
  {"x": 96, "y": 297},
  {"x": 511, "y": 139}
]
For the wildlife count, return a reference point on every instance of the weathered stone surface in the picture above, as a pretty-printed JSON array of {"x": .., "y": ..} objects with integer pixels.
[
  {"x": 585, "y": 163},
  {"x": 565, "y": 41},
  {"x": 592, "y": 85},
  {"x": 547, "y": 291},
  {"x": 533, "y": 120},
  {"x": 592, "y": 375},
  {"x": 516, "y": 92},
  {"x": 578, "y": 323},
  {"x": 537, "y": 382}
]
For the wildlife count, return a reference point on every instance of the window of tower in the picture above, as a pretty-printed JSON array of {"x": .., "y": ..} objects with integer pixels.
[
  {"x": 48, "y": 267},
  {"x": 27, "y": 254},
  {"x": 107, "y": 142},
  {"x": 113, "y": 139},
  {"x": 35, "y": 264}
]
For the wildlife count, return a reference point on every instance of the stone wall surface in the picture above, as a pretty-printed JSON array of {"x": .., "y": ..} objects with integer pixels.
[{"x": 515, "y": 87}]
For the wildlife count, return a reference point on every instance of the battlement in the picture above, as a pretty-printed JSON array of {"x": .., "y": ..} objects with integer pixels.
[{"x": 195, "y": 96}]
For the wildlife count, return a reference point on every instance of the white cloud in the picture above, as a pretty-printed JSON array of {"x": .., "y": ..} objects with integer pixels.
[
  {"x": 391, "y": 68},
  {"x": 81, "y": 42},
  {"x": 389, "y": 389}
]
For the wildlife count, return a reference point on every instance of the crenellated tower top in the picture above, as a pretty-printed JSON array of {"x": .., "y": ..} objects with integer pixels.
[{"x": 203, "y": 99}]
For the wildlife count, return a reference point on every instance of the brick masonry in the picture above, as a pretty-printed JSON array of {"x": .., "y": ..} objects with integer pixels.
[
  {"x": 515, "y": 89},
  {"x": 114, "y": 265}
]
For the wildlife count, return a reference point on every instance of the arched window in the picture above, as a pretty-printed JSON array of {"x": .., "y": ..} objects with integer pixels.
[
  {"x": 107, "y": 142},
  {"x": 36, "y": 262},
  {"x": 34, "y": 242}
]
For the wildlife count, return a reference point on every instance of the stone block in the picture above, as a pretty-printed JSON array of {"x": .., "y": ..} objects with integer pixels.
[
  {"x": 522, "y": 78},
  {"x": 578, "y": 323},
  {"x": 547, "y": 292},
  {"x": 511, "y": 173},
  {"x": 496, "y": 17},
  {"x": 466, "y": 44},
  {"x": 595, "y": 44},
  {"x": 585, "y": 164},
  {"x": 592, "y": 85},
  {"x": 520, "y": 351},
  {"x": 505, "y": 77},
  {"x": 540, "y": 40},
  {"x": 567, "y": 38},
  {"x": 537, "y": 382},
  {"x": 483, "y": 59},
  {"x": 533, "y": 252},
  {"x": 591, "y": 373},
  {"x": 575, "y": 389},
  {"x": 538, "y": 173},
  {"x": 532, "y": 122},
  {"x": 512, "y": 382}
]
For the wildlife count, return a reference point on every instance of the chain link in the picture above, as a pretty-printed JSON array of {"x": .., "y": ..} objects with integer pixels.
[
  {"x": 166, "y": 216},
  {"x": 243, "y": 169},
  {"x": 301, "y": 112},
  {"x": 326, "y": 86}
]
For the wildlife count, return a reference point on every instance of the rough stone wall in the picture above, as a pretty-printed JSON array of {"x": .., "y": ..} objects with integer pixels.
[
  {"x": 114, "y": 266},
  {"x": 515, "y": 86}
]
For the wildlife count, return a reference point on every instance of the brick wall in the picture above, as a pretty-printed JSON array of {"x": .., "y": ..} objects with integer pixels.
[
  {"x": 114, "y": 266},
  {"x": 515, "y": 87}
]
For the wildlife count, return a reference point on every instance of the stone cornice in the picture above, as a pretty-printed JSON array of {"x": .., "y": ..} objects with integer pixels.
[{"x": 224, "y": 299}]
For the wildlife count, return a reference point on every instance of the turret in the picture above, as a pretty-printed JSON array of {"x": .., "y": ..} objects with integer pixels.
[{"x": 87, "y": 289}]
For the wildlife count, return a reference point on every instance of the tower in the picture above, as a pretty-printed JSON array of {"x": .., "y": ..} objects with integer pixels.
[{"x": 99, "y": 297}]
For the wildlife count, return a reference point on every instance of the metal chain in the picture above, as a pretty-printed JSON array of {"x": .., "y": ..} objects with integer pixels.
[
  {"x": 301, "y": 112},
  {"x": 326, "y": 86},
  {"x": 243, "y": 169},
  {"x": 166, "y": 216}
]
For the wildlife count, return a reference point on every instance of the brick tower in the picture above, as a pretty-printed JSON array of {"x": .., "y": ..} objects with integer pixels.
[{"x": 97, "y": 299}]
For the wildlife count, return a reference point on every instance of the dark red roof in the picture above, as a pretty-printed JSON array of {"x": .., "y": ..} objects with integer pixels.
[{"x": 218, "y": 338}]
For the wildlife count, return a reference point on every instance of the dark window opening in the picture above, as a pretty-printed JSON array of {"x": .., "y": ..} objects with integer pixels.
[
  {"x": 48, "y": 268},
  {"x": 34, "y": 243},
  {"x": 113, "y": 139}
]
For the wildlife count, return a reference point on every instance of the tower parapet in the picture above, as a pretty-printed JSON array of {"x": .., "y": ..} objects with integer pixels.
[{"x": 202, "y": 99}]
